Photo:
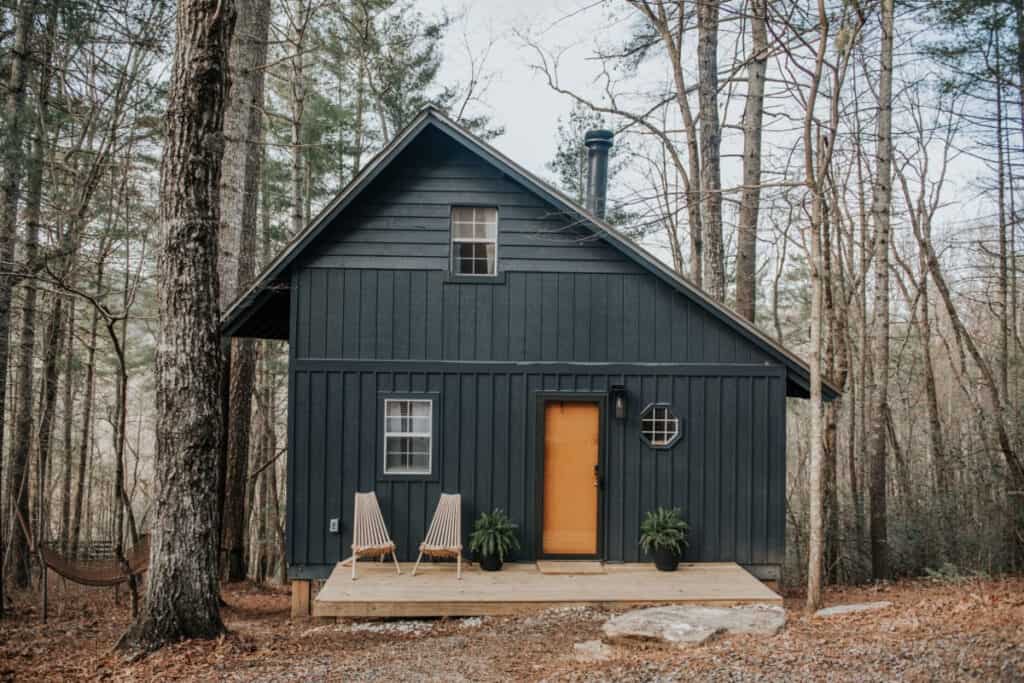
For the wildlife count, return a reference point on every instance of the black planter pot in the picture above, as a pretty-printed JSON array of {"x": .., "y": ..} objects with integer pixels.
[
  {"x": 666, "y": 559},
  {"x": 490, "y": 563}
]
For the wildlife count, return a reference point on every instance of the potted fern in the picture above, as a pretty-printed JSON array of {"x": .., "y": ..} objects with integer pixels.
[
  {"x": 663, "y": 534},
  {"x": 493, "y": 538}
]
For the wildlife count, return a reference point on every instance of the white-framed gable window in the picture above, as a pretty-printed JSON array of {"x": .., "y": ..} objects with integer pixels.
[
  {"x": 474, "y": 240},
  {"x": 408, "y": 436}
]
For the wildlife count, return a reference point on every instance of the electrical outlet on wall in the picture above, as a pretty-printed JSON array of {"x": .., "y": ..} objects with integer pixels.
[{"x": 334, "y": 525}]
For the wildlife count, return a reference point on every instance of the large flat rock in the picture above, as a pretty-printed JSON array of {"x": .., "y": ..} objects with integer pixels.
[{"x": 693, "y": 625}]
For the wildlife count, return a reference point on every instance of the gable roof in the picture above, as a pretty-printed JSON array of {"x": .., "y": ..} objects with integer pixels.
[{"x": 270, "y": 281}]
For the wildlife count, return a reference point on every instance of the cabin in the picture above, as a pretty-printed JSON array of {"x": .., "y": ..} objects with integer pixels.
[{"x": 456, "y": 325}]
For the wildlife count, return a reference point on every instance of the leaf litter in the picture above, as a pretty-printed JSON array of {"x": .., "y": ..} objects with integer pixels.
[{"x": 971, "y": 630}]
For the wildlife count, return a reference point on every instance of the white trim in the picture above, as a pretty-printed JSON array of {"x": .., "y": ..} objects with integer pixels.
[{"x": 410, "y": 435}]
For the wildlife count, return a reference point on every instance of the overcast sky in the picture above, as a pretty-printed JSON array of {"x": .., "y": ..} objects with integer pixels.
[{"x": 519, "y": 98}]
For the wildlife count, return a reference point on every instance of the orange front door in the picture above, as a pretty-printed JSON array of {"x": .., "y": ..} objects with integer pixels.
[{"x": 570, "y": 478}]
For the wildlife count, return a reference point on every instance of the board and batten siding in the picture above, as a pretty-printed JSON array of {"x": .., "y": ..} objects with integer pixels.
[
  {"x": 726, "y": 474},
  {"x": 374, "y": 311}
]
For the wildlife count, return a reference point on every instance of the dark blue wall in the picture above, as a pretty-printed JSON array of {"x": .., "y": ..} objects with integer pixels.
[{"x": 373, "y": 311}]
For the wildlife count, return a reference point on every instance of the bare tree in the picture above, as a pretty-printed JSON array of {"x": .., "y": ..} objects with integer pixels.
[
  {"x": 710, "y": 147},
  {"x": 881, "y": 210},
  {"x": 818, "y": 149},
  {"x": 750, "y": 197},
  {"x": 243, "y": 155}
]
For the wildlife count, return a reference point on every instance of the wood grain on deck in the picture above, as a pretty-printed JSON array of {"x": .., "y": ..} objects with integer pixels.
[{"x": 520, "y": 588}]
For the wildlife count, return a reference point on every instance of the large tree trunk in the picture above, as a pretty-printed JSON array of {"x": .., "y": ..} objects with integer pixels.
[
  {"x": 22, "y": 445},
  {"x": 12, "y": 132},
  {"x": 710, "y": 147},
  {"x": 182, "y": 597},
  {"x": 243, "y": 124},
  {"x": 750, "y": 197},
  {"x": 880, "y": 333}
]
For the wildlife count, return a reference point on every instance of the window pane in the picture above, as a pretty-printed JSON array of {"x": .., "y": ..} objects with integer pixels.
[
  {"x": 407, "y": 455},
  {"x": 420, "y": 461},
  {"x": 464, "y": 214},
  {"x": 462, "y": 230},
  {"x": 659, "y": 425}
]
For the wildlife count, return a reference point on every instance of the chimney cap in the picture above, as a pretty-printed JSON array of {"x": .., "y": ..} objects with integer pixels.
[{"x": 600, "y": 136}]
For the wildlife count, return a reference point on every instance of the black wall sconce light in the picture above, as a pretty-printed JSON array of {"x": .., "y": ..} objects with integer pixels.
[{"x": 617, "y": 394}]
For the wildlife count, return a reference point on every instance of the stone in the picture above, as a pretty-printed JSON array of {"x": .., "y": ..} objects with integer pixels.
[
  {"x": 693, "y": 625},
  {"x": 852, "y": 609},
  {"x": 592, "y": 651}
]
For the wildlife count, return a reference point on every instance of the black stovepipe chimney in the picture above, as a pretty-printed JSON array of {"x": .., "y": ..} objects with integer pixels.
[{"x": 598, "y": 143}]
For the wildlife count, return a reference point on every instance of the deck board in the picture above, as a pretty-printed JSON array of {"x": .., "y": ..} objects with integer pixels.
[{"x": 520, "y": 588}]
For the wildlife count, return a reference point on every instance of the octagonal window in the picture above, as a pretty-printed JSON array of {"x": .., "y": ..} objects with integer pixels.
[{"x": 659, "y": 426}]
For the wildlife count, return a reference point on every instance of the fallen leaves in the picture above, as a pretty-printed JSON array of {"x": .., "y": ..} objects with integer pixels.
[{"x": 933, "y": 631}]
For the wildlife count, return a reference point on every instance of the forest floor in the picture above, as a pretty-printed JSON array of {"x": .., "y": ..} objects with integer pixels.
[{"x": 969, "y": 630}]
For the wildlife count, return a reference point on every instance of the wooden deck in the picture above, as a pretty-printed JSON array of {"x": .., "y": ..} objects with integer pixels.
[{"x": 520, "y": 588}]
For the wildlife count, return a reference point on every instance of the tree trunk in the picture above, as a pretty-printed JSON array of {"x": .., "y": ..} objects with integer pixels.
[
  {"x": 936, "y": 440},
  {"x": 298, "y": 104},
  {"x": 51, "y": 377},
  {"x": 67, "y": 447},
  {"x": 87, "y": 407},
  {"x": 243, "y": 155},
  {"x": 750, "y": 198},
  {"x": 12, "y": 132},
  {"x": 1002, "y": 361},
  {"x": 710, "y": 147},
  {"x": 880, "y": 333},
  {"x": 21, "y": 447},
  {"x": 815, "y": 549},
  {"x": 182, "y": 597}
]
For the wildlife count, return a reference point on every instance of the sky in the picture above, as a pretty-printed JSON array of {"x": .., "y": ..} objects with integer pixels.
[{"x": 518, "y": 98}]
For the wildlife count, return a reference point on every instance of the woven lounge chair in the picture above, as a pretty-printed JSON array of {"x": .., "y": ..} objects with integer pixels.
[
  {"x": 369, "y": 534},
  {"x": 444, "y": 538}
]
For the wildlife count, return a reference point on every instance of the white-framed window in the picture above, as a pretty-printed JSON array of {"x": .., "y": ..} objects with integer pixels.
[
  {"x": 659, "y": 426},
  {"x": 474, "y": 240},
  {"x": 408, "y": 435}
]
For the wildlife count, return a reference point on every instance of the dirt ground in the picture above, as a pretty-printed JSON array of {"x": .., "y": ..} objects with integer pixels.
[{"x": 971, "y": 630}]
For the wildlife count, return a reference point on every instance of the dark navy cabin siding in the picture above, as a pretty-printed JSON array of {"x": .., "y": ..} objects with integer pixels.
[
  {"x": 374, "y": 312},
  {"x": 486, "y": 450}
]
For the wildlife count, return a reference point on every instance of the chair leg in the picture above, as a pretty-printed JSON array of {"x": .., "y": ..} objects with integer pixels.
[
  {"x": 353, "y": 566},
  {"x": 417, "y": 565},
  {"x": 458, "y": 564},
  {"x": 394, "y": 556}
]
